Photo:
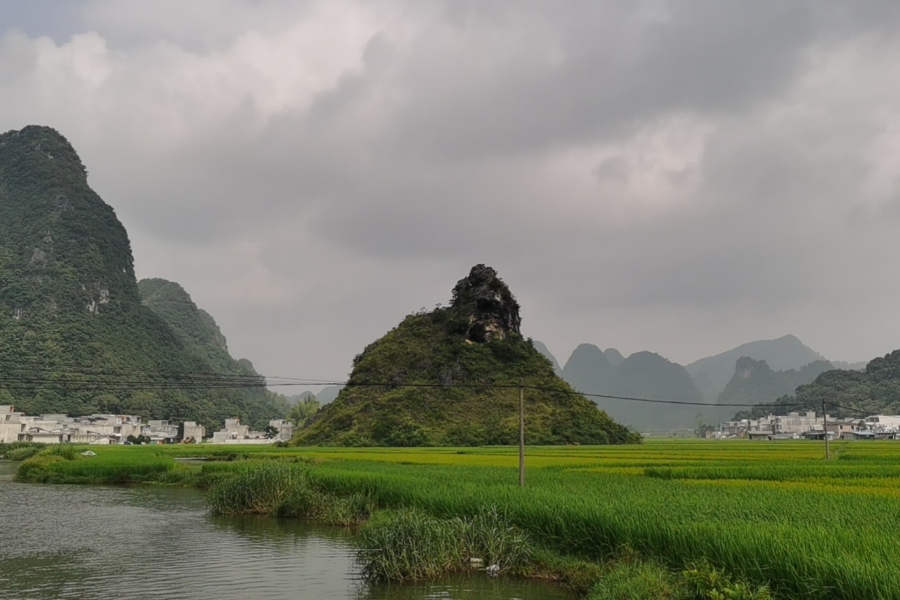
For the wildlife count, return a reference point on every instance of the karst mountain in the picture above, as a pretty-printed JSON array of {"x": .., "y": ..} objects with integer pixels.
[
  {"x": 450, "y": 377},
  {"x": 76, "y": 333}
]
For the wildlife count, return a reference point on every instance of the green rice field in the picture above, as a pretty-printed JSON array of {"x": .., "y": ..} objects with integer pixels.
[{"x": 772, "y": 513}]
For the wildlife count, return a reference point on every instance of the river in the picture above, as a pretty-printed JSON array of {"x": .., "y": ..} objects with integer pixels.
[{"x": 160, "y": 542}]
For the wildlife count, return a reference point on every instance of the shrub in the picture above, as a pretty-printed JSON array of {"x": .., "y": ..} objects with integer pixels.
[
  {"x": 409, "y": 544},
  {"x": 706, "y": 582},
  {"x": 23, "y": 453},
  {"x": 632, "y": 580}
]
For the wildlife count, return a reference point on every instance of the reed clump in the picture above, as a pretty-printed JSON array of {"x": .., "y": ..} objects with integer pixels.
[
  {"x": 19, "y": 451},
  {"x": 281, "y": 489},
  {"x": 410, "y": 544}
]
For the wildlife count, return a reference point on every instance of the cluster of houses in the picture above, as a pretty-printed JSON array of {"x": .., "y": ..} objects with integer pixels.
[
  {"x": 124, "y": 429},
  {"x": 810, "y": 426}
]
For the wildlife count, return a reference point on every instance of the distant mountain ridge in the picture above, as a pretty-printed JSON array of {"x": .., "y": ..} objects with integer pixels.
[
  {"x": 712, "y": 374},
  {"x": 752, "y": 373},
  {"x": 641, "y": 375},
  {"x": 754, "y": 382}
]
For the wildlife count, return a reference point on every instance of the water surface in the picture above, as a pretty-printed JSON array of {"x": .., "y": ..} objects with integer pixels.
[{"x": 159, "y": 542}]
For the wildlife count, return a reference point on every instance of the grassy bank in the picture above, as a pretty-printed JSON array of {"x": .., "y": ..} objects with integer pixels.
[
  {"x": 18, "y": 451},
  {"x": 763, "y": 513}
]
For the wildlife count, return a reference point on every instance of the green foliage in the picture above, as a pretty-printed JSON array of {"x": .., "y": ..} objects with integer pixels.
[
  {"x": 430, "y": 349},
  {"x": 64, "y": 463},
  {"x": 266, "y": 488},
  {"x": 759, "y": 514},
  {"x": 282, "y": 489},
  {"x": 708, "y": 583},
  {"x": 849, "y": 394},
  {"x": 23, "y": 453},
  {"x": 303, "y": 410},
  {"x": 637, "y": 580},
  {"x": 71, "y": 318},
  {"x": 410, "y": 544}
]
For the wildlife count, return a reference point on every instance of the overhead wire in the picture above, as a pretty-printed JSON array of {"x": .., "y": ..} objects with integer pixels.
[{"x": 31, "y": 375}]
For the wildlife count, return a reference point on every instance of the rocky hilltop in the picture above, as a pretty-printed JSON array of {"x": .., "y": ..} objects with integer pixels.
[
  {"x": 73, "y": 329},
  {"x": 488, "y": 305},
  {"x": 418, "y": 385}
]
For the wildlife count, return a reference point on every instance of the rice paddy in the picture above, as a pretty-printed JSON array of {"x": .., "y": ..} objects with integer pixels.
[{"x": 771, "y": 513}]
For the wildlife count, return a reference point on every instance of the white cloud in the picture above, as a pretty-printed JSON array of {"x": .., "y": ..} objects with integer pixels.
[{"x": 679, "y": 180}]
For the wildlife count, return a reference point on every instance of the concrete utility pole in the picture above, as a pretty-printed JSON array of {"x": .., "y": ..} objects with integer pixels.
[
  {"x": 825, "y": 428},
  {"x": 521, "y": 435}
]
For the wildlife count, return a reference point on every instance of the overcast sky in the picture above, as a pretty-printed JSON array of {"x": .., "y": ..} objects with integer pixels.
[{"x": 680, "y": 177}]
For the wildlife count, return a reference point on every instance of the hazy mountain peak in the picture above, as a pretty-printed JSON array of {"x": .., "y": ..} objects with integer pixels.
[
  {"x": 614, "y": 356},
  {"x": 542, "y": 348},
  {"x": 713, "y": 373}
]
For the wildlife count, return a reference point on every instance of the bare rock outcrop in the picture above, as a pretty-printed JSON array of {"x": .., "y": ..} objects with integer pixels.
[{"x": 487, "y": 303}]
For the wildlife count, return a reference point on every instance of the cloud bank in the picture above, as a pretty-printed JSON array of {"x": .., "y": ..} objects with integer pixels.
[{"x": 678, "y": 177}]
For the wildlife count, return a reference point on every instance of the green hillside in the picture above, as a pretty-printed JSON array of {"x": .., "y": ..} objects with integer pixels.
[
  {"x": 74, "y": 336},
  {"x": 200, "y": 336},
  {"x": 476, "y": 340},
  {"x": 850, "y": 393}
]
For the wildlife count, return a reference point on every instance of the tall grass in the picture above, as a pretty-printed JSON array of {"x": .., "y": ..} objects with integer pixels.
[
  {"x": 806, "y": 542},
  {"x": 410, "y": 544},
  {"x": 65, "y": 464},
  {"x": 760, "y": 512},
  {"x": 279, "y": 489},
  {"x": 20, "y": 451}
]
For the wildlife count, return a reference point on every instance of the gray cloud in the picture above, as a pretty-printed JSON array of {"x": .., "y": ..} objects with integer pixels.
[{"x": 679, "y": 177}]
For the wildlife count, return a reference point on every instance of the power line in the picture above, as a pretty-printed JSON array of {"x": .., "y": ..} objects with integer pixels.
[{"x": 107, "y": 379}]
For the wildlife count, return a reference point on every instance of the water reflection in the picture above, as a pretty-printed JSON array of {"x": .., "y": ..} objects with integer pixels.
[{"x": 154, "y": 542}]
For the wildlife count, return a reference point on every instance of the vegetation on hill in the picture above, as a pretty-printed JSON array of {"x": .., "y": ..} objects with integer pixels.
[
  {"x": 474, "y": 341},
  {"x": 74, "y": 336},
  {"x": 641, "y": 375},
  {"x": 754, "y": 382},
  {"x": 542, "y": 348},
  {"x": 850, "y": 394},
  {"x": 201, "y": 337}
]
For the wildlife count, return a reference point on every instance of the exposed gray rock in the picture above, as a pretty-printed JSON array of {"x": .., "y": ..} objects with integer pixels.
[{"x": 486, "y": 301}]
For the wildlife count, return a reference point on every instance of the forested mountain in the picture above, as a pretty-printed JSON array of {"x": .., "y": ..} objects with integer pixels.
[
  {"x": 641, "y": 375},
  {"x": 754, "y": 382},
  {"x": 851, "y": 394},
  {"x": 713, "y": 373},
  {"x": 476, "y": 340},
  {"x": 200, "y": 336},
  {"x": 74, "y": 335}
]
